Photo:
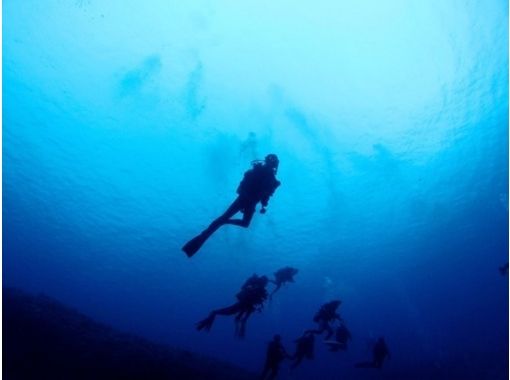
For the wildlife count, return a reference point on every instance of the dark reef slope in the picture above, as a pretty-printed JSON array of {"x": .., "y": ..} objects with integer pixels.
[{"x": 42, "y": 339}]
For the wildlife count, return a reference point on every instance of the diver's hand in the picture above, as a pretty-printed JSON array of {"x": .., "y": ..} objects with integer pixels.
[{"x": 263, "y": 210}]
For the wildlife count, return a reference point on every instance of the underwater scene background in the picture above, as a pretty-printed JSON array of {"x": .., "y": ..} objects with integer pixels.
[{"x": 127, "y": 128}]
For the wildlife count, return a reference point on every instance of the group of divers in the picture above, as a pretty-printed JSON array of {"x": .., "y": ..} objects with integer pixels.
[
  {"x": 251, "y": 298},
  {"x": 257, "y": 186}
]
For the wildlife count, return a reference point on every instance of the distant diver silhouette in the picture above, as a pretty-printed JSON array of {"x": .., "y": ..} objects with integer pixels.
[
  {"x": 304, "y": 349},
  {"x": 342, "y": 336},
  {"x": 281, "y": 277},
  {"x": 326, "y": 314},
  {"x": 379, "y": 353},
  {"x": 274, "y": 356},
  {"x": 251, "y": 298},
  {"x": 258, "y": 185}
]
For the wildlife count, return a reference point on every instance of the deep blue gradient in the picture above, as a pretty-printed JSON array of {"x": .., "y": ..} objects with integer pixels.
[{"x": 127, "y": 127}]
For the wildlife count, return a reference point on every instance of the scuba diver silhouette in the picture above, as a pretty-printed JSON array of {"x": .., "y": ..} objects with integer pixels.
[
  {"x": 251, "y": 298},
  {"x": 379, "y": 353},
  {"x": 274, "y": 356},
  {"x": 304, "y": 348},
  {"x": 342, "y": 336},
  {"x": 258, "y": 185},
  {"x": 326, "y": 314},
  {"x": 281, "y": 277}
]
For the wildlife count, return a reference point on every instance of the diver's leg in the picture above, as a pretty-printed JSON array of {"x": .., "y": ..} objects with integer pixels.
[
  {"x": 229, "y": 310},
  {"x": 247, "y": 314},
  {"x": 248, "y": 212},
  {"x": 241, "y": 331},
  {"x": 233, "y": 209},
  {"x": 208, "y": 322},
  {"x": 238, "y": 323},
  {"x": 242, "y": 325},
  {"x": 192, "y": 246}
]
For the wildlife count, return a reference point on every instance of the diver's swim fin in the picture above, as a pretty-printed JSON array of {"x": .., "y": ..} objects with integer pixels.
[
  {"x": 335, "y": 345},
  {"x": 192, "y": 246},
  {"x": 206, "y": 324}
]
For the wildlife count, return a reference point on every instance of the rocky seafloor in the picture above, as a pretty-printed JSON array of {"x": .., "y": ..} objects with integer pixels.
[{"x": 43, "y": 339}]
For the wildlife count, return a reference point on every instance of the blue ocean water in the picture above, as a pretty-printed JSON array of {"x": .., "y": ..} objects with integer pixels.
[{"x": 127, "y": 128}]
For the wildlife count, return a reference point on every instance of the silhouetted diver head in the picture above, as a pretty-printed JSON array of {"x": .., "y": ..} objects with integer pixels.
[{"x": 272, "y": 161}]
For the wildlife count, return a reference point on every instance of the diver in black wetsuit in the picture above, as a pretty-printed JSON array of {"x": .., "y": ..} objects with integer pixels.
[
  {"x": 258, "y": 185},
  {"x": 274, "y": 356},
  {"x": 304, "y": 348},
  {"x": 251, "y": 298},
  {"x": 281, "y": 277},
  {"x": 379, "y": 353},
  {"x": 326, "y": 314},
  {"x": 342, "y": 336}
]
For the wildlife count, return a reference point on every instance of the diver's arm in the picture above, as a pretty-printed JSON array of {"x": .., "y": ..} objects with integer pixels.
[
  {"x": 264, "y": 201},
  {"x": 265, "y": 198}
]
